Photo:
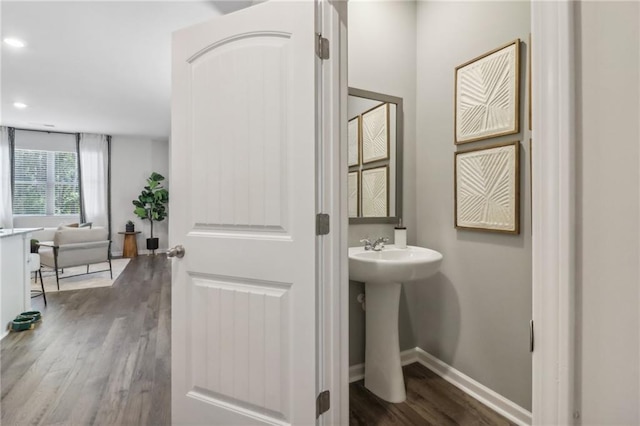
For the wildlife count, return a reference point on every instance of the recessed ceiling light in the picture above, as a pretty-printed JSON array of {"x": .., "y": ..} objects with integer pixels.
[
  {"x": 14, "y": 42},
  {"x": 19, "y": 105}
]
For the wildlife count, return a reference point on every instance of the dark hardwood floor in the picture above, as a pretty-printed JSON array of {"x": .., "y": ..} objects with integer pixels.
[
  {"x": 430, "y": 401},
  {"x": 101, "y": 356}
]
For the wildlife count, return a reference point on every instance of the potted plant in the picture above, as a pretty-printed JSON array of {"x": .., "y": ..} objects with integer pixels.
[
  {"x": 151, "y": 205},
  {"x": 129, "y": 227}
]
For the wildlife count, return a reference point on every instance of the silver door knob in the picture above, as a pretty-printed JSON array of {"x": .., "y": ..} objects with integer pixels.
[{"x": 177, "y": 251}]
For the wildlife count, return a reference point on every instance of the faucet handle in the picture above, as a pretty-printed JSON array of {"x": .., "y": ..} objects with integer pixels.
[
  {"x": 378, "y": 244},
  {"x": 367, "y": 243}
]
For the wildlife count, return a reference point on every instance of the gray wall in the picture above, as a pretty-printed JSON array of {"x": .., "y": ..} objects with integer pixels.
[
  {"x": 607, "y": 373},
  {"x": 473, "y": 315},
  {"x": 382, "y": 58},
  {"x": 132, "y": 161}
]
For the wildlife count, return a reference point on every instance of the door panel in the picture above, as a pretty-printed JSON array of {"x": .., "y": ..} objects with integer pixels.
[
  {"x": 246, "y": 332},
  {"x": 246, "y": 171},
  {"x": 243, "y": 206}
]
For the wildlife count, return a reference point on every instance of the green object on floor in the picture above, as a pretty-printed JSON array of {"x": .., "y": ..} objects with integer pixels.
[
  {"x": 22, "y": 324},
  {"x": 36, "y": 315},
  {"x": 35, "y": 246}
]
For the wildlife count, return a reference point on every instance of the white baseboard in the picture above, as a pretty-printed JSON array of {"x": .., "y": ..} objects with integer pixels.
[
  {"x": 6, "y": 333},
  {"x": 142, "y": 252},
  {"x": 475, "y": 389},
  {"x": 146, "y": 252},
  {"x": 356, "y": 372}
]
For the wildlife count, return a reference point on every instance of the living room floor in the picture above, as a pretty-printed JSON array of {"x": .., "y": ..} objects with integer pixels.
[{"x": 100, "y": 356}]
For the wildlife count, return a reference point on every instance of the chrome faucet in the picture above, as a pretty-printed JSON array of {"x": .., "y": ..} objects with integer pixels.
[
  {"x": 367, "y": 243},
  {"x": 377, "y": 245}
]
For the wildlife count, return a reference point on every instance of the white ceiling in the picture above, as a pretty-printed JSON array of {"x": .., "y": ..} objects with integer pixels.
[{"x": 88, "y": 66}]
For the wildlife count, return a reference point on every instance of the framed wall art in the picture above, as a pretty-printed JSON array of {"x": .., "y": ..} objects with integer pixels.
[
  {"x": 354, "y": 142},
  {"x": 354, "y": 194},
  {"x": 487, "y": 95},
  {"x": 487, "y": 188},
  {"x": 375, "y": 192},
  {"x": 375, "y": 134},
  {"x": 529, "y": 81}
]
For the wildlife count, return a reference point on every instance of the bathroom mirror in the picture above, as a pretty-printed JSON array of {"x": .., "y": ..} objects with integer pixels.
[{"x": 375, "y": 134}]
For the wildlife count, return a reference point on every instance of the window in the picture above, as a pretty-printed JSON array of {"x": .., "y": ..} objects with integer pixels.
[{"x": 46, "y": 183}]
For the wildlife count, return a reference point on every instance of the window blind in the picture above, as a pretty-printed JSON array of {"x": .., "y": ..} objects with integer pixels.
[{"x": 46, "y": 183}]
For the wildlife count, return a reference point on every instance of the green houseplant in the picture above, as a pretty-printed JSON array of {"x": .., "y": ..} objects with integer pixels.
[{"x": 152, "y": 205}]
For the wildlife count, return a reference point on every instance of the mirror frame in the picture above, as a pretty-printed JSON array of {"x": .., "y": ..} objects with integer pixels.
[{"x": 399, "y": 154}]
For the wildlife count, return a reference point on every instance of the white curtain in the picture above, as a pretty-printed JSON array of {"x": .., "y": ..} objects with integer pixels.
[
  {"x": 93, "y": 154},
  {"x": 6, "y": 210}
]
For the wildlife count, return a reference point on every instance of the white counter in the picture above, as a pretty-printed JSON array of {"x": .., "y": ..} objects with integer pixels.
[
  {"x": 15, "y": 288},
  {"x": 17, "y": 231}
]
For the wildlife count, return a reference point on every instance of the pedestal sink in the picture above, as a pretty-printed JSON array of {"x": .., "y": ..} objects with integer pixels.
[{"x": 383, "y": 273}]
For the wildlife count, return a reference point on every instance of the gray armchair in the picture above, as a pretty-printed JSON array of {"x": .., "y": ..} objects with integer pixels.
[{"x": 76, "y": 247}]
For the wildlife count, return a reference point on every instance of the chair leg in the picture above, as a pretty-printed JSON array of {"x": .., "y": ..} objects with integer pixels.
[
  {"x": 55, "y": 264},
  {"x": 87, "y": 269},
  {"x": 110, "y": 269},
  {"x": 44, "y": 295}
]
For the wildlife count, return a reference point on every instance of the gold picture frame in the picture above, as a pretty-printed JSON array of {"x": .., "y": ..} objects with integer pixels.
[
  {"x": 354, "y": 129},
  {"x": 375, "y": 134},
  {"x": 487, "y": 188},
  {"x": 492, "y": 108},
  {"x": 351, "y": 186},
  {"x": 371, "y": 208},
  {"x": 529, "y": 83}
]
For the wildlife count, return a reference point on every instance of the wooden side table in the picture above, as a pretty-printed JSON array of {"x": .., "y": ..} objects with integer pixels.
[{"x": 130, "y": 245}]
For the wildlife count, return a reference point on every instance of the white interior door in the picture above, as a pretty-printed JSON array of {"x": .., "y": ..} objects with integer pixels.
[{"x": 243, "y": 206}]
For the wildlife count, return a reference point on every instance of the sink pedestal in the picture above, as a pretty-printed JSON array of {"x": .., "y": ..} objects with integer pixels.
[
  {"x": 383, "y": 272},
  {"x": 382, "y": 367}
]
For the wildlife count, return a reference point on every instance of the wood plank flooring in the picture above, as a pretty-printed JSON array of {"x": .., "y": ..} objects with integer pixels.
[
  {"x": 430, "y": 401},
  {"x": 101, "y": 356}
]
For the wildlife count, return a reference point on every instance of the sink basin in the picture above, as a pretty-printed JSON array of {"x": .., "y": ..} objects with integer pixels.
[
  {"x": 393, "y": 264},
  {"x": 383, "y": 273}
]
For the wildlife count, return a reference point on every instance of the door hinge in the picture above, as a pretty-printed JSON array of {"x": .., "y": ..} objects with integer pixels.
[
  {"x": 322, "y": 47},
  {"x": 323, "y": 403},
  {"x": 322, "y": 224},
  {"x": 531, "y": 337}
]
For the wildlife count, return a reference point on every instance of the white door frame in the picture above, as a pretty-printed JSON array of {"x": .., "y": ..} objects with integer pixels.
[
  {"x": 553, "y": 194},
  {"x": 333, "y": 373},
  {"x": 553, "y": 218}
]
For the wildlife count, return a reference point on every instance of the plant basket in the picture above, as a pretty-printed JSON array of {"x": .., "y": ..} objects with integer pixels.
[{"x": 152, "y": 243}]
